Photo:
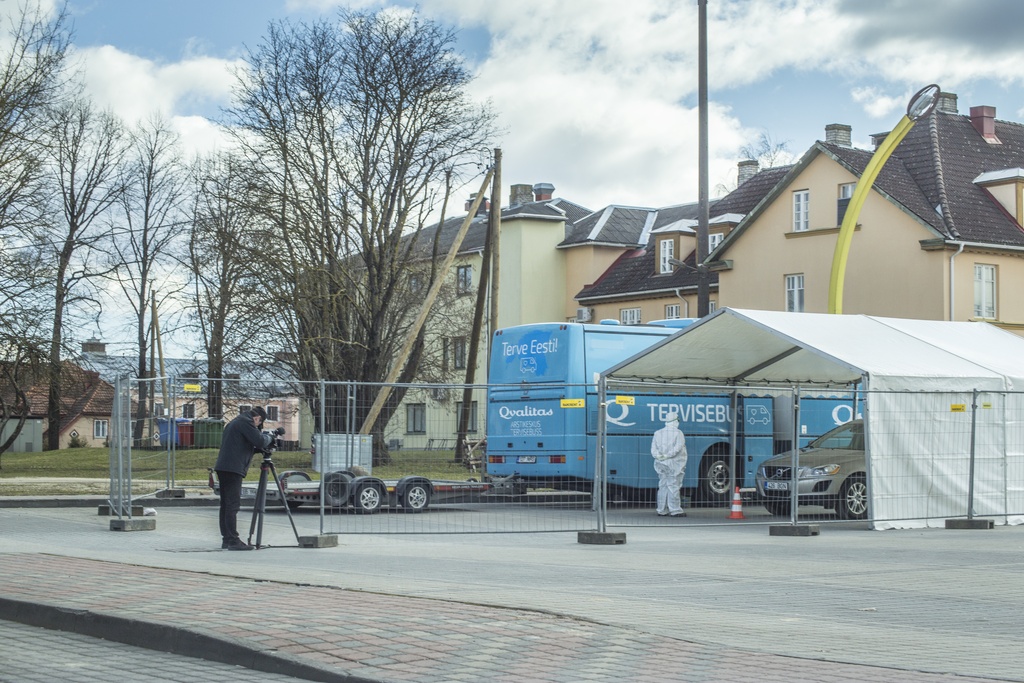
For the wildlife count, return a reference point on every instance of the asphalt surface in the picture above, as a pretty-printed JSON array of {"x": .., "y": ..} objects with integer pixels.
[{"x": 675, "y": 603}]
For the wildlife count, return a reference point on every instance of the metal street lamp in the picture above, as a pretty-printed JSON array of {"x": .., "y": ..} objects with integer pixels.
[{"x": 920, "y": 106}]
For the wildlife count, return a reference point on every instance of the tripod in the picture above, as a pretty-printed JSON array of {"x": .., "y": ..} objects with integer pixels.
[{"x": 260, "y": 505}]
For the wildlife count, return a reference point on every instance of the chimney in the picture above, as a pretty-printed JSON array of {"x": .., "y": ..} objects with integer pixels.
[
  {"x": 745, "y": 170},
  {"x": 94, "y": 345},
  {"x": 542, "y": 191},
  {"x": 839, "y": 134},
  {"x": 878, "y": 138},
  {"x": 984, "y": 121},
  {"x": 484, "y": 207},
  {"x": 947, "y": 103},
  {"x": 520, "y": 194}
]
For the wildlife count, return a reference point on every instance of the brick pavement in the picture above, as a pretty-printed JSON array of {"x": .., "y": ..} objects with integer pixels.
[{"x": 332, "y": 634}]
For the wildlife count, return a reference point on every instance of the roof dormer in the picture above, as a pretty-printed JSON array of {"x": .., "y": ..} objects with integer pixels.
[{"x": 1007, "y": 187}]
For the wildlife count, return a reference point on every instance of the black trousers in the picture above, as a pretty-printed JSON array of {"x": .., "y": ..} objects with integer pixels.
[{"x": 230, "y": 502}]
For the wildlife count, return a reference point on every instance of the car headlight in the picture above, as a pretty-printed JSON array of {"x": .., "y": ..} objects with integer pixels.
[{"x": 823, "y": 471}]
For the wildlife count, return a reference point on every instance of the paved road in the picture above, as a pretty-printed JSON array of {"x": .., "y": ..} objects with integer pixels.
[{"x": 673, "y": 604}]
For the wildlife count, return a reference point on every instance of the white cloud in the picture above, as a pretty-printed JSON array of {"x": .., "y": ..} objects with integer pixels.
[
  {"x": 877, "y": 104},
  {"x": 189, "y": 93}
]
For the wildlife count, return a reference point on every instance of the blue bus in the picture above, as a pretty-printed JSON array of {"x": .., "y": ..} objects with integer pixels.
[{"x": 542, "y": 415}]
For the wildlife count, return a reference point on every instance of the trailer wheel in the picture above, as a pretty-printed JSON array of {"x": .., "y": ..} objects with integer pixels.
[
  {"x": 716, "y": 478},
  {"x": 368, "y": 497},
  {"x": 336, "y": 488},
  {"x": 416, "y": 497}
]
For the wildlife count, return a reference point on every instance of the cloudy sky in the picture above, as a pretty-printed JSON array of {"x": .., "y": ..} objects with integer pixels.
[{"x": 599, "y": 97}]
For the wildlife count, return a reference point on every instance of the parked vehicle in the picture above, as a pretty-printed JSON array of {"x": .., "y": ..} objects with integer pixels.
[
  {"x": 353, "y": 489},
  {"x": 542, "y": 415},
  {"x": 832, "y": 472}
]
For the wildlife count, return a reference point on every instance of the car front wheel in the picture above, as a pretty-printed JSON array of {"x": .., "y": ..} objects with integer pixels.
[
  {"x": 853, "y": 499},
  {"x": 779, "y": 508}
]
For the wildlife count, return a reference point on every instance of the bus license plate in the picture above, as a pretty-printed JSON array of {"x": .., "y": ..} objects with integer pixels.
[
  {"x": 526, "y": 459},
  {"x": 776, "y": 486}
]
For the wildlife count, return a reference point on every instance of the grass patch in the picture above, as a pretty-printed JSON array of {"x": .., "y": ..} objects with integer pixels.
[{"x": 192, "y": 464}]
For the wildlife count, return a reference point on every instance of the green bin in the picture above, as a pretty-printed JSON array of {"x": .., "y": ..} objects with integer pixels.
[{"x": 207, "y": 432}]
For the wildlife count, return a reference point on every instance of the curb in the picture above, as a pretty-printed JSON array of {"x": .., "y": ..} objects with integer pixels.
[
  {"x": 167, "y": 638},
  {"x": 96, "y": 501}
]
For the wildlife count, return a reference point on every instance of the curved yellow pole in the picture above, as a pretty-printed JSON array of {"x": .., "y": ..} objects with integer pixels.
[{"x": 860, "y": 193}]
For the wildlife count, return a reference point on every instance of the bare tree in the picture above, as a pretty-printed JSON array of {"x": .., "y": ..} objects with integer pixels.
[
  {"x": 767, "y": 151},
  {"x": 224, "y": 266},
  {"x": 23, "y": 338},
  {"x": 353, "y": 126},
  {"x": 150, "y": 218},
  {"x": 85, "y": 152},
  {"x": 32, "y": 57}
]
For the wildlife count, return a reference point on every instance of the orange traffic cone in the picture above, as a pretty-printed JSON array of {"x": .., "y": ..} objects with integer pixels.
[{"x": 737, "y": 506}]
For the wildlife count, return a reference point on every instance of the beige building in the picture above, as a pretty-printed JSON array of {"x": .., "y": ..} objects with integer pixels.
[
  {"x": 651, "y": 254},
  {"x": 939, "y": 237}
]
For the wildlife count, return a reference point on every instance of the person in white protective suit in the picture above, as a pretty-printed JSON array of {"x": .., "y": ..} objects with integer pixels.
[{"x": 669, "y": 450}]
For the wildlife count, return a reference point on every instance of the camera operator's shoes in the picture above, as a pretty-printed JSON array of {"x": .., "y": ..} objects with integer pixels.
[{"x": 237, "y": 545}]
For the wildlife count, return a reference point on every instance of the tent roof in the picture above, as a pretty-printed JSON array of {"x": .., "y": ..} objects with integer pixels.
[{"x": 747, "y": 347}]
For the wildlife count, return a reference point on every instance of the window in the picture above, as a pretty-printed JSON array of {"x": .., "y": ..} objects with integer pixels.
[
  {"x": 272, "y": 413},
  {"x": 671, "y": 311},
  {"x": 714, "y": 239},
  {"x": 188, "y": 411},
  {"x": 463, "y": 280},
  {"x": 244, "y": 409},
  {"x": 472, "y": 416},
  {"x": 795, "y": 293},
  {"x": 454, "y": 354},
  {"x": 801, "y": 222},
  {"x": 667, "y": 252},
  {"x": 845, "y": 192},
  {"x": 415, "y": 283},
  {"x": 459, "y": 353},
  {"x": 629, "y": 316},
  {"x": 984, "y": 291},
  {"x": 416, "y": 418},
  {"x": 712, "y": 307},
  {"x": 99, "y": 429},
  {"x": 158, "y": 409}
]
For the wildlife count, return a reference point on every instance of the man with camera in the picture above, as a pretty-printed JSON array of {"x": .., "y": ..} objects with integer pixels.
[{"x": 243, "y": 437}]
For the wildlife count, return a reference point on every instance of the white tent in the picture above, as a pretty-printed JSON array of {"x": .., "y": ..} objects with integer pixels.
[{"x": 919, "y": 377}]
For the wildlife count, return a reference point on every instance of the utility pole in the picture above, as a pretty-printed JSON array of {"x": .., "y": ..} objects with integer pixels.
[
  {"x": 703, "y": 287},
  {"x": 461, "y": 446}
]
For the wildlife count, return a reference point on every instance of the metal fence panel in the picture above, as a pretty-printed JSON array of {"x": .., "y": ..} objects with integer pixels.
[
  {"x": 428, "y": 466},
  {"x": 424, "y": 469},
  {"x": 918, "y": 459}
]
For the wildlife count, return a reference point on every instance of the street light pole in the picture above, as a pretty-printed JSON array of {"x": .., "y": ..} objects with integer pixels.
[{"x": 703, "y": 288}]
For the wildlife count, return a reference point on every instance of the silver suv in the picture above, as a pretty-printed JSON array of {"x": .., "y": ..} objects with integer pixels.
[{"x": 832, "y": 472}]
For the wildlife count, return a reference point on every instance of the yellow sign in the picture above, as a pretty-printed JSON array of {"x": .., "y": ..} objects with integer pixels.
[
  {"x": 986, "y": 406},
  {"x": 625, "y": 400},
  {"x": 958, "y": 408},
  {"x": 193, "y": 388},
  {"x": 573, "y": 403}
]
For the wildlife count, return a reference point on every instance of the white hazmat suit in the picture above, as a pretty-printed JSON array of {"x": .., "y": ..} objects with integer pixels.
[{"x": 668, "y": 447}]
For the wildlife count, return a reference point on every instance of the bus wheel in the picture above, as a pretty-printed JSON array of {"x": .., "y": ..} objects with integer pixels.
[{"x": 715, "y": 478}]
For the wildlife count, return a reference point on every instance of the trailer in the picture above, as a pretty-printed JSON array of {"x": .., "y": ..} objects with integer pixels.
[{"x": 368, "y": 494}]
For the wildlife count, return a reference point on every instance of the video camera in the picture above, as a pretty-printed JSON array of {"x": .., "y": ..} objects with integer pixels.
[{"x": 275, "y": 440}]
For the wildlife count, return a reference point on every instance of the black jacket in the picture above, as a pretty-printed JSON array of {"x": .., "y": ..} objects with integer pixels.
[{"x": 240, "y": 440}]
